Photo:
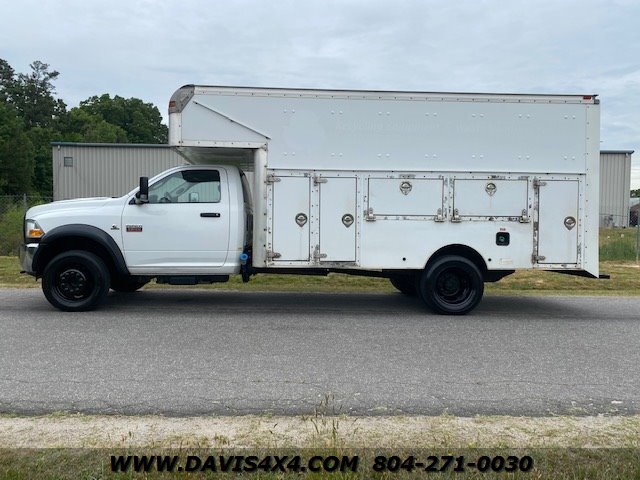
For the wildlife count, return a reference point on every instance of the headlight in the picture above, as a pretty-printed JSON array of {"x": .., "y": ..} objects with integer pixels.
[{"x": 32, "y": 231}]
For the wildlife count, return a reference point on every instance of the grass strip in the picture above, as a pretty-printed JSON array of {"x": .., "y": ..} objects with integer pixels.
[
  {"x": 69, "y": 446},
  {"x": 625, "y": 280}
]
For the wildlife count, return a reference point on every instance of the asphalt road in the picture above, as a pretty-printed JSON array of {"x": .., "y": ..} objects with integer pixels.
[{"x": 192, "y": 352}]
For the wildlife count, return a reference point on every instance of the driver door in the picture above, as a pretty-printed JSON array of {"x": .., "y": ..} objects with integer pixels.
[{"x": 184, "y": 229}]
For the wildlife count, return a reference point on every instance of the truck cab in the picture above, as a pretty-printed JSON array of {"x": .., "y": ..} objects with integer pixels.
[{"x": 190, "y": 224}]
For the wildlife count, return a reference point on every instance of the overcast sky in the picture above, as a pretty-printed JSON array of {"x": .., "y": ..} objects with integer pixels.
[{"x": 147, "y": 49}]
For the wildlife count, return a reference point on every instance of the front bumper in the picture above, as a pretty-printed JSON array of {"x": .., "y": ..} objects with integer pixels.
[{"x": 26, "y": 254}]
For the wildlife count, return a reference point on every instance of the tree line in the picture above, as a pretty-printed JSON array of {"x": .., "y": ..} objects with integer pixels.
[{"x": 31, "y": 117}]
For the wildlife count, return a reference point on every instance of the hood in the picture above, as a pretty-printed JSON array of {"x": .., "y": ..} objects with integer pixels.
[{"x": 76, "y": 203}]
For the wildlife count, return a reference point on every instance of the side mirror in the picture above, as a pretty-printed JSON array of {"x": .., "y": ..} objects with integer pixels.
[{"x": 143, "y": 194}]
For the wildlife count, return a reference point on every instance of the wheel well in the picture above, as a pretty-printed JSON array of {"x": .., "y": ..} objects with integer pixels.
[
  {"x": 66, "y": 244},
  {"x": 461, "y": 251}
]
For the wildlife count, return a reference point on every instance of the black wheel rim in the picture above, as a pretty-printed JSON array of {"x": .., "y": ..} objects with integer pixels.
[
  {"x": 74, "y": 283},
  {"x": 453, "y": 286}
]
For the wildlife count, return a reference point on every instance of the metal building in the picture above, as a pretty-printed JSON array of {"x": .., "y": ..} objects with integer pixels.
[
  {"x": 106, "y": 169},
  {"x": 615, "y": 185}
]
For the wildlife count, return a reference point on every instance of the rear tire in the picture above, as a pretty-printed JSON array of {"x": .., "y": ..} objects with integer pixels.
[
  {"x": 75, "y": 281},
  {"x": 451, "y": 285},
  {"x": 405, "y": 284}
]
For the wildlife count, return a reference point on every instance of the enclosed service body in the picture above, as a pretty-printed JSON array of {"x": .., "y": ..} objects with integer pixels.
[
  {"x": 383, "y": 180},
  {"x": 439, "y": 192}
]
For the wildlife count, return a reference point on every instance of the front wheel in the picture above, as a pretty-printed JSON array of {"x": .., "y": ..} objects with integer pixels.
[
  {"x": 451, "y": 285},
  {"x": 75, "y": 281}
]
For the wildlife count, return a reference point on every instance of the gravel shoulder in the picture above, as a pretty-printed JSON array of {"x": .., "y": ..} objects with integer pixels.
[{"x": 87, "y": 431}]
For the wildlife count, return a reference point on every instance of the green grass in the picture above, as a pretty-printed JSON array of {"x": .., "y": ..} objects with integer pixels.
[
  {"x": 61, "y": 464},
  {"x": 11, "y": 231},
  {"x": 10, "y": 275},
  {"x": 619, "y": 244},
  {"x": 617, "y": 255},
  {"x": 625, "y": 280}
]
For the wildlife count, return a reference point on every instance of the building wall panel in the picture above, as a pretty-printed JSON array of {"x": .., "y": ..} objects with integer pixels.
[
  {"x": 106, "y": 170},
  {"x": 615, "y": 181}
]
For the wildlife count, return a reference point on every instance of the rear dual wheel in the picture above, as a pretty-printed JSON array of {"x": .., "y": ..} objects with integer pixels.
[
  {"x": 451, "y": 285},
  {"x": 405, "y": 284}
]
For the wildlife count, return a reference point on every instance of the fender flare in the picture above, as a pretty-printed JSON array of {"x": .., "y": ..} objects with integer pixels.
[{"x": 79, "y": 230}]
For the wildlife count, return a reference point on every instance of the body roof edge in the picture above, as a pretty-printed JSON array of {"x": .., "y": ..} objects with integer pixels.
[{"x": 405, "y": 93}]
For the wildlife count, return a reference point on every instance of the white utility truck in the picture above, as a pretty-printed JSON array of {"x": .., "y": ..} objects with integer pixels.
[{"x": 439, "y": 192}]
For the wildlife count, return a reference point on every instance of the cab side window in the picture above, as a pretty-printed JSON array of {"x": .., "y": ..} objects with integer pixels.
[{"x": 188, "y": 186}]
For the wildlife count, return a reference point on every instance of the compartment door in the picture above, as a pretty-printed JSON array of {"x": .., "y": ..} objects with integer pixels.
[
  {"x": 558, "y": 222},
  {"x": 394, "y": 197},
  {"x": 290, "y": 197},
  {"x": 337, "y": 219},
  {"x": 493, "y": 198}
]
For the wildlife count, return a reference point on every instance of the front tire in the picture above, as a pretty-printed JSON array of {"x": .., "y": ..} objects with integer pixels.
[
  {"x": 451, "y": 285},
  {"x": 75, "y": 281}
]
